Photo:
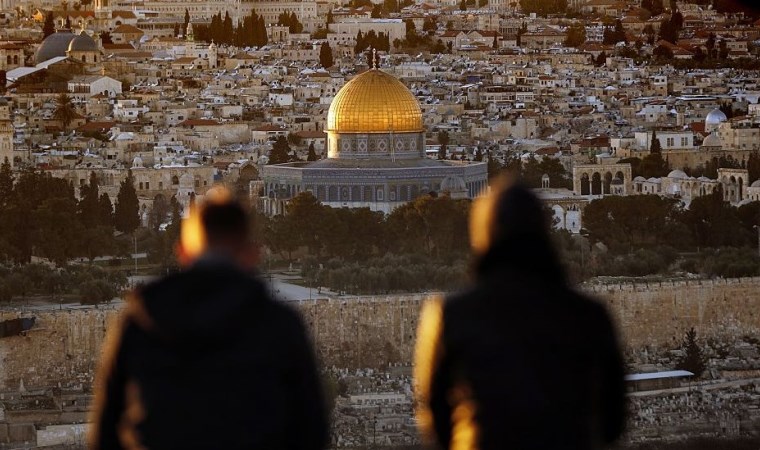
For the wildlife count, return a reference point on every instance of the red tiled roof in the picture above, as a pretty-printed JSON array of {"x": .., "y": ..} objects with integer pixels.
[{"x": 126, "y": 28}]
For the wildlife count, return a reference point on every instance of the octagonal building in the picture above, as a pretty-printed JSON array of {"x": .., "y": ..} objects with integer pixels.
[{"x": 375, "y": 154}]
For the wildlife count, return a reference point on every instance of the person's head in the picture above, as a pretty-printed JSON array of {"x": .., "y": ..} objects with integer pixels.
[
  {"x": 510, "y": 226},
  {"x": 218, "y": 225}
]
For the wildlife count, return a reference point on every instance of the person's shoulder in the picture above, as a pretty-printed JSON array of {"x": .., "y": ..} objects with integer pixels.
[{"x": 592, "y": 308}]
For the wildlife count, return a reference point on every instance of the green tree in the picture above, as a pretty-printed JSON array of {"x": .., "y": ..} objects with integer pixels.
[
  {"x": 576, "y": 35},
  {"x": 126, "y": 215},
  {"x": 692, "y": 360},
  {"x": 543, "y": 7},
  {"x": 64, "y": 110},
  {"x": 48, "y": 27},
  {"x": 443, "y": 141},
  {"x": 627, "y": 223},
  {"x": 390, "y": 5},
  {"x": 158, "y": 212},
  {"x": 280, "y": 152},
  {"x": 753, "y": 167},
  {"x": 714, "y": 223},
  {"x": 463, "y": 5},
  {"x": 6, "y": 185},
  {"x": 88, "y": 206},
  {"x": 326, "y": 56},
  {"x": 105, "y": 211},
  {"x": 669, "y": 30},
  {"x": 312, "y": 154},
  {"x": 186, "y": 22}
]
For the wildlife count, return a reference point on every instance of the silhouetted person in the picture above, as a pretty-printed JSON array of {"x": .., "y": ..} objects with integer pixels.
[
  {"x": 519, "y": 360},
  {"x": 206, "y": 358}
]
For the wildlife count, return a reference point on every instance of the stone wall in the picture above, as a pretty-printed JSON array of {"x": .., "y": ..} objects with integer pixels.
[{"x": 62, "y": 348}]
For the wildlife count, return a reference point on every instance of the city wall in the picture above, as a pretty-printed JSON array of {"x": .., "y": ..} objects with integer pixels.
[{"x": 63, "y": 347}]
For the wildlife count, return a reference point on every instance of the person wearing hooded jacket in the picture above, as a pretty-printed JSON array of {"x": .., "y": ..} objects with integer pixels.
[
  {"x": 205, "y": 358},
  {"x": 519, "y": 359}
]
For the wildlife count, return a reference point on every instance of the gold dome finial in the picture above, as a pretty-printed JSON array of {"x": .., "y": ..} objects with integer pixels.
[{"x": 374, "y": 58}]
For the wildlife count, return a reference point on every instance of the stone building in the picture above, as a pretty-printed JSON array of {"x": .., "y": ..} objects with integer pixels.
[
  {"x": 602, "y": 179},
  {"x": 6, "y": 132},
  {"x": 376, "y": 154}
]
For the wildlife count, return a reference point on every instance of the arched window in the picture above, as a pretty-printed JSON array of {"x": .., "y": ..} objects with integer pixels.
[
  {"x": 585, "y": 185},
  {"x": 596, "y": 184},
  {"x": 175, "y": 180}
]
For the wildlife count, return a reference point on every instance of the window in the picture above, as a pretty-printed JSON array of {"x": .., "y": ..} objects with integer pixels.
[
  {"x": 670, "y": 142},
  {"x": 147, "y": 185},
  {"x": 141, "y": 185}
]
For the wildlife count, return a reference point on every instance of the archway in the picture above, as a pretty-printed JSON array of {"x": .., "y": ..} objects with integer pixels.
[
  {"x": 596, "y": 184},
  {"x": 559, "y": 217},
  {"x": 607, "y": 183},
  {"x": 585, "y": 185}
]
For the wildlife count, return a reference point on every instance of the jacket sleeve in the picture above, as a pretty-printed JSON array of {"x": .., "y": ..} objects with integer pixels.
[
  {"x": 613, "y": 386},
  {"x": 432, "y": 377},
  {"x": 109, "y": 391},
  {"x": 309, "y": 426}
]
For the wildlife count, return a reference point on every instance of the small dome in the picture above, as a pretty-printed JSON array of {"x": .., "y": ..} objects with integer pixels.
[
  {"x": 677, "y": 174},
  {"x": 82, "y": 43},
  {"x": 712, "y": 141},
  {"x": 715, "y": 117},
  {"x": 755, "y": 184},
  {"x": 53, "y": 46},
  {"x": 374, "y": 102},
  {"x": 453, "y": 184},
  {"x": 616, "y": 181},
  {"x": 137, "y": 162},
  {"x": 639, "y": 179}
]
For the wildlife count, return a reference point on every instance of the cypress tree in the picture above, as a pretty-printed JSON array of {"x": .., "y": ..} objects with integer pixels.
[
  {"x": 89, "y": 202},
  {"x": 326, "y": 56},
  {"x": 6, "y": 184},
  {"x": 655, "y": 147},
  {"x": 49, "y": 27},
  {"x": 126, "y": 216},
  {"x": 693, "y": 360}
]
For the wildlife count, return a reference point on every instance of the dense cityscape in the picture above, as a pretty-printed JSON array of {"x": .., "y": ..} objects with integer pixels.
[{"x": 358, "y": 134}]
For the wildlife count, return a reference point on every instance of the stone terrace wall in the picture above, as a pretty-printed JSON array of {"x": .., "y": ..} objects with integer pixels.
[
  {"x": 659, "y": 314},
  {"x": 63, "y": 347}
]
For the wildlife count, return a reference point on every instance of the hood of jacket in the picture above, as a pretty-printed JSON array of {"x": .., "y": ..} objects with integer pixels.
[
  {"x": 206, "y": 305},
  {"x": 520, "y": 238}
]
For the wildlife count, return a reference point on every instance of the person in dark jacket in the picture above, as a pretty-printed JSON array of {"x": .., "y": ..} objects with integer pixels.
[
  {"x": 519, "y": 360},
  {"x": 206, "y": 358}
]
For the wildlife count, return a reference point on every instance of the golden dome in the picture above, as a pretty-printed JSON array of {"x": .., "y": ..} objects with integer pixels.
[{"x": 374, "y": 102}]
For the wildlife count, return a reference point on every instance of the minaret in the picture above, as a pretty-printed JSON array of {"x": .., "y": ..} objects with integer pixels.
[{"x": 212, "y": 55}]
